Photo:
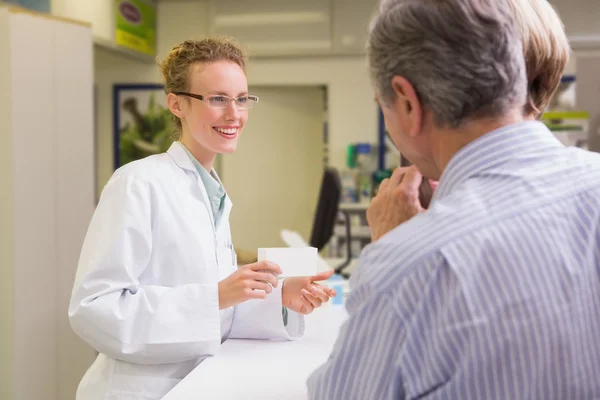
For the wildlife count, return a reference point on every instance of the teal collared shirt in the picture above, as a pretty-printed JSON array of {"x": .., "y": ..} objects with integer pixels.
[
  {"x": 214, "y": 188},
  {"x": 216, "y": 197}
]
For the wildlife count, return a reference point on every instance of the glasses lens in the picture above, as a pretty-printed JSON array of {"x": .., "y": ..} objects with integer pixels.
[
  {"x": 245, "y": 102},
  {"x": 218, "y": 101}
]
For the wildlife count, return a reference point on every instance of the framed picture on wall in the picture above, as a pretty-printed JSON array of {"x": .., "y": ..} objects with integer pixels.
[{"x": 142, "y": 122}]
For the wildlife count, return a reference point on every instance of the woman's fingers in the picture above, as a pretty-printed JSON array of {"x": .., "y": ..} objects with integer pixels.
[
  {"x": 267, "y": 266},
  {"x": 265, "y": 277},
  {"x": 318, "y": 291},
  {"x": 314, "y": 300},
  {"x": 254, "y": 294},
  {"x": 322, "y": 276},
  {"x": 258, "y": 285},
  {"x": 307, "y": 307}
]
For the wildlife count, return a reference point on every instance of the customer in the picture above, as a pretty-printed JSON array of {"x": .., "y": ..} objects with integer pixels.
[
  {"x": 494, "y": 292},
  {"x": 546, "y": 49}
]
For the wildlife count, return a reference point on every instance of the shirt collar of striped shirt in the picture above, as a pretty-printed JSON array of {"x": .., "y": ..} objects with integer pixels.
[{"x": 495, "y": 148}]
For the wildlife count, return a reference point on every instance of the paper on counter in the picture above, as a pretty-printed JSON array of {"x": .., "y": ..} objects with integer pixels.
[{"x": 293, "y": 261}]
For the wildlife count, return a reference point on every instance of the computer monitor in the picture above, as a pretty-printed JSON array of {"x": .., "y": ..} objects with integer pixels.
[
  {"x": 327, "y": 209},
  {"x": 326, "y": 216}
]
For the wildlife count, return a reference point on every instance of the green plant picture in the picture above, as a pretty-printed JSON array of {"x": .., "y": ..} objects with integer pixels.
[{"x": 143, "y": 125}]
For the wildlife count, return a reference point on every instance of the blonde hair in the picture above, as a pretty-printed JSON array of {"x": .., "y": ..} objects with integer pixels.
[
  {"x": 546, "y": 49},
  {"x": 175, "y": 68}
]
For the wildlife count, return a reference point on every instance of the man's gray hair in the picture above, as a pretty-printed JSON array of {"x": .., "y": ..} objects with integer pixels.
[{"x": 463, "y": 57}]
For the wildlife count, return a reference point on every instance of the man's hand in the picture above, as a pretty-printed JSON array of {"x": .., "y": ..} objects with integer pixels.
[
  {"x": 303, "y": 295},
  {"x": 397, "y": 201}
]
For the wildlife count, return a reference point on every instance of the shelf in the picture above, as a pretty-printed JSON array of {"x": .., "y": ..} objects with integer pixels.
[
  {"x": 353, "y": 207},
  {"x": 109, "y": 45},
  {"x": 357, "y": 232}
]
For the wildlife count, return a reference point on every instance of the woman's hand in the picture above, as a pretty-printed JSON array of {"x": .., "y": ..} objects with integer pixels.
[
  {"x": 252, "y": 281},
  {"x": 303, "y": 295}
]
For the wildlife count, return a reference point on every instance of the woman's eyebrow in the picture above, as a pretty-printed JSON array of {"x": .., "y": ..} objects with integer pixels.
[{"x": 225, "y": 94}]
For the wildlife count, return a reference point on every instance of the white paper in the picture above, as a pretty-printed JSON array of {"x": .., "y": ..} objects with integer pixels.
[
  {"x": 294, "y": 239},
  {"x": 293, "y": 261}
]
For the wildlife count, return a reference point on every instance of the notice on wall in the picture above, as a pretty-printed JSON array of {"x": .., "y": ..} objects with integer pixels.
[{"x": 136, "y": 25}]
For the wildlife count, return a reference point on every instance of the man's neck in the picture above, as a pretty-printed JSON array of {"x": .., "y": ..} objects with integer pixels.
[
  {"x": 449, "y": 141},
  {"x": 204, "y": 157}
]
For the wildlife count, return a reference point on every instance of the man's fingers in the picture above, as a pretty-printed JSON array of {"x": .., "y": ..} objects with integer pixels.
[
  {"x": 412, "y": 180},
  {"x": 397, "y": 175},
  {"x": 383, "y": 185}
]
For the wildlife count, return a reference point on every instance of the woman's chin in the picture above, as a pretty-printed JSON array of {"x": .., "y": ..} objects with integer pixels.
[{"x": 227, "y": 148}]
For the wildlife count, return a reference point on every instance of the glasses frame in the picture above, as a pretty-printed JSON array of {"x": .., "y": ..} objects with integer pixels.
[{"x": 206, "y": 98}]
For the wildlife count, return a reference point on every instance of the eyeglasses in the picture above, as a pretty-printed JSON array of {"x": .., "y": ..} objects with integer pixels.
[{"x": 222, "y": 101}]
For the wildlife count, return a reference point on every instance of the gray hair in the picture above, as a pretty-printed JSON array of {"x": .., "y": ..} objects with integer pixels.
[{"x": 463, "y": 57}]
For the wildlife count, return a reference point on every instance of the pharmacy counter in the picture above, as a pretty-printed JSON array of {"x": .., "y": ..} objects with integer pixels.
[{"x": 261, "y": 369}]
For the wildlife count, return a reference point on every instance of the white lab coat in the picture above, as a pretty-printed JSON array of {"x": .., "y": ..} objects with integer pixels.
[{"x": 145, "y": 294}]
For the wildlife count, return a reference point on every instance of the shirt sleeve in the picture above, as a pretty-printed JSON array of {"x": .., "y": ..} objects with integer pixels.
[
  {"x": 367, "y": 361},
  {"x": 362, "y": 364},
  {"x": 263, "y": 319}
]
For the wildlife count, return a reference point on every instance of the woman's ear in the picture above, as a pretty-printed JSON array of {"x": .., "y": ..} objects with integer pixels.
[
  {"x": 408, "y": 105},
  {"x": 174, "y": 105}
]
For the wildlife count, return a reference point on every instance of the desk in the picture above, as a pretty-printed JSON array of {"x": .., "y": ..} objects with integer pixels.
[{"x": 262, "y": 369}]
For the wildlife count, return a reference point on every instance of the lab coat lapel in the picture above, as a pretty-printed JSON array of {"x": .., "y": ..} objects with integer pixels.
[
  {"x": 181, "y": 158},
  {"x": 178, "y": 154}
]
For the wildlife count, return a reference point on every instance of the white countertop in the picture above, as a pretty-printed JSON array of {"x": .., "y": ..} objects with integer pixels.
[{"x": 262, "y": 369}]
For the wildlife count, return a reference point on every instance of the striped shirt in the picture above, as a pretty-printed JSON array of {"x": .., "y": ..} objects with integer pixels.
[{"x": 493, "y": 293}]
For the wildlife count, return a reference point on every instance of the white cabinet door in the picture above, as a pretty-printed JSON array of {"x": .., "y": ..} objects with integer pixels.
[
  {"x": 74, "y": 190},
  {"x": 33, "y": 153}
]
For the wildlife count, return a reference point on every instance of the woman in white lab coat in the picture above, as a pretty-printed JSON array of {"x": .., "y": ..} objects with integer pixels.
[{"x": 157, "y": 287}]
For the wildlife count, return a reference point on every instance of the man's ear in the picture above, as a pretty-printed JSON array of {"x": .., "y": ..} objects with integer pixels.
[
  {"x": 408, "y": 105},
  {"x": 174, "y": 105}
]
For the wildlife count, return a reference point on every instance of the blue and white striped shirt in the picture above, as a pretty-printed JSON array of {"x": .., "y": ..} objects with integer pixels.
[{"x": 493, "y": 293}]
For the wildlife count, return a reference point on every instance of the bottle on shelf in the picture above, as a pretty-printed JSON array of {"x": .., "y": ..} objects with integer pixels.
[
  {"x": 349, "y": 177},
  {"x": 366, "y": 163}
]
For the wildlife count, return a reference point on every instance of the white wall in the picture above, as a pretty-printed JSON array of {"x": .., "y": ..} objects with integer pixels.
[
  {"x": 352, "y": 110},
  {"x": 110, "y": 68},
  {"x": 176, "y": 22},
  {"x": 580, "y": 17},
  {"x": 289, "y": 119},
  {"x": 94, "y": 11}
]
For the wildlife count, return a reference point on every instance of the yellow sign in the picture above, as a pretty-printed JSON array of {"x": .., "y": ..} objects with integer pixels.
[{"x": 136, "y": 25}]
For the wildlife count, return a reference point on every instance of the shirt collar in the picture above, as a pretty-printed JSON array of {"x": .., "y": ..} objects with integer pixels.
[
  {"x": 211, "y": 181},
  {"x": 494, "y": 149}
]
